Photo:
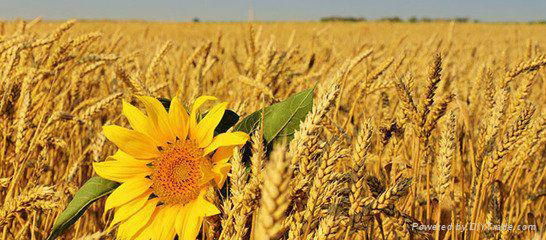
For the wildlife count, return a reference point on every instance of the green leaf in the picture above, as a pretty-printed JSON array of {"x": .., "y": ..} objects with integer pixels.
[
  {"x": 92, "y": 190},
  {"x": 280, "y": 119},
  {"x": 228, "y": 120}
]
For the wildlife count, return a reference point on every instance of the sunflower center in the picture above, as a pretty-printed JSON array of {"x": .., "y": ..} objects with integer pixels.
[{"x": 180, "y": 173}]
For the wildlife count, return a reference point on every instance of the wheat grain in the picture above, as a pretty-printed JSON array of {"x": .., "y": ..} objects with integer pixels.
[
  {"x": 275, "y": 196},
  {"x": 378, "y": 117}
]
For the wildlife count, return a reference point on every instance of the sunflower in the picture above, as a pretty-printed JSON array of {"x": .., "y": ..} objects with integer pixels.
[{"x": 165, "y": 164}]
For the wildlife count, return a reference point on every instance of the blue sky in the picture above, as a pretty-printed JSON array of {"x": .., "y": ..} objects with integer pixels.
[{"x": 271, "y": 10}]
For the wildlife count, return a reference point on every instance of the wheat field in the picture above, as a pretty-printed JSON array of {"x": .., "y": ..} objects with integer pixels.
[{"x": 413, "y": 125}]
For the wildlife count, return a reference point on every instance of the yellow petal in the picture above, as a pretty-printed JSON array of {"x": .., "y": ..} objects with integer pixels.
[
  {"x": 160, "y": 119},
  {"x": 206, "y": 175},
  {"x": 164, "y": 224},
  {"x": 205, "y": 207},
  {"x": 127, "y": 210},
  {"x": 143, "y": 234},
  {"x": 129, "y": 228},
  {"x": 227, "y": 139},
  {"x": 223, "y": 153},
  {"x": 132, "y": 142},
  {"x": 205, "y": 127},
  {"x": 137, "y": 119},
  {"x": 146, "y": 233},
  {"x": 187, "y": 224},
  {"x": 122, "y": 156},
  {"x": 127, "y": 192},
  {"x": 122, "y": 170},
  {"x": 220, "y": 170},
  {"x": 193, "y": 116},
  {"x": 178, "y": 118},
  {"x": 190, "y": 217}
]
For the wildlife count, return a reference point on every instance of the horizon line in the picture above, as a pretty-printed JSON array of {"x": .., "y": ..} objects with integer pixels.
[{"x": 381, "y": 19}]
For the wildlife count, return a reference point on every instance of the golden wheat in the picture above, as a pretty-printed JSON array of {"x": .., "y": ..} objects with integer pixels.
[{"x": 388, "y": 144}]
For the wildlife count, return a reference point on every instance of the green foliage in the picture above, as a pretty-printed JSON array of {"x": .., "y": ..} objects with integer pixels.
[
  {"x": 280, "y": 119},
  {"x": 390, "y": 19},
  {"x": 342, "y": 19},
  {"x": 229, "y": 119},
  {"x": 92, "y": 190}
]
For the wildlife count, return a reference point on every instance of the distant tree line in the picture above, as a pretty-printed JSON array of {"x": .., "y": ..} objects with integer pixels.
[
  {"x": 342, "y": 19},
  {"x": 410, "y": 19},
  {"x": 456, "y": 19},
  {"x": 396, "y": 19},
  {"x": 538, "y": 22}
]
